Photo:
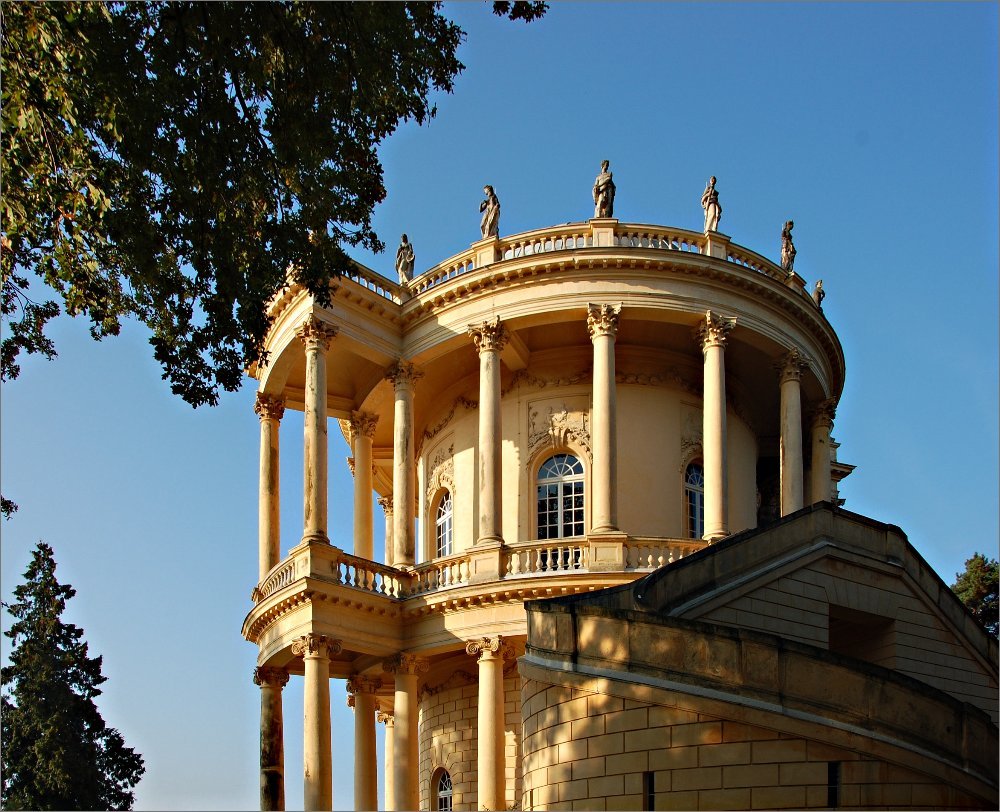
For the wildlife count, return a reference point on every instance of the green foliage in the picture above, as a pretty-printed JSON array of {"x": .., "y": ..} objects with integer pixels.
[
  {"x": 977, "y": 587},
  {"x": 182, "y": 162},
  {"x": 57, "y": 751}
]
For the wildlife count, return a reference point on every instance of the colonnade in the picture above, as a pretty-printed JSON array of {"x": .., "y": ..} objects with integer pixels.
[{"x": 489, "y": 337}]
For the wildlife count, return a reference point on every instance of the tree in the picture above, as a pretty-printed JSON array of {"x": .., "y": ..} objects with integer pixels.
[
  {"x": 977, "y": 587},
  {"x": 183, "y": 162},
  {"x": 57, "y": 751}
]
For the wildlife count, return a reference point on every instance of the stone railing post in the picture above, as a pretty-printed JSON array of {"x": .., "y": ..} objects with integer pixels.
[
  {"x": 602, "y": 324},
  {"x": 790, "y": 369},
  {"x": 272, "y": 742},
  {"x": 489, "y": 338},
  {"x": 404, "y": 486},
  {"x": 316, "y": 336},
  {"x": 270, "y": 410},
  {"x": 712, "y": 333},
  {"x": 317, "y": 752}
]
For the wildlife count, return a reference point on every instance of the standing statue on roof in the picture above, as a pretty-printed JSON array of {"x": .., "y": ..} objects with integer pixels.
[
  {"x": 490, "y": 224},
  {"x": 404, "y": 260},
  {"x": 604, "y": 193},
  {"x": 787, "y": 247},
  {"x": 710, "y": 203},
  {"x": 819, "y": 294}
]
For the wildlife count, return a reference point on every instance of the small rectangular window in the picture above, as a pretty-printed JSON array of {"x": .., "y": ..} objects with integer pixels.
[
  {"x": 648, "y": 791},
  {"x": 833, "y": 784}
]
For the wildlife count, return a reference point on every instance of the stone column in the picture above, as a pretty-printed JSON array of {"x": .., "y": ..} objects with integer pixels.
[
  {"x": 386, "y": 503},
  {"x": 362, "y": 432},
  {"x": 390, "y": 759},
  {"x": 362, "y": 699},
  {"x": 317, "y": 753},
  {"x": 316, "y": 336},
  {"x": 489, "y": 338},
  {"x": 490, "y": 752},
  {"x": 404, "y": 486},
  {"x": 713, "y": 334},
  {"x": 405, "y": 710},
  {"x": 790, "y": 444},
  {"x": 270, "y": 411},
  {"x": 272, "y": 742},
  {"x": 820, "y": 477},
  {"x": 602, "y": 324}
]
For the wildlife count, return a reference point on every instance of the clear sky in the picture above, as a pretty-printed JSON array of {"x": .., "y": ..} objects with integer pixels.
[{"x": 872, "y": 126}]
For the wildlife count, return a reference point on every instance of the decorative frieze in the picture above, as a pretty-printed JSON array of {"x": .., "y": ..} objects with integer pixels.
[
  {"x": 275, "y": 677},
  {"x": 316, "y": 334},
  {"x": 457, "y": 679},
  {"x": 489, "y": 336},
  {"x": 403, "y": 373},
  {"x": 602, "y": 319},
  {"x": 714, "y": 330},
  {"x": 268, "y": 407},
  {"x": 316, "y": 645}
]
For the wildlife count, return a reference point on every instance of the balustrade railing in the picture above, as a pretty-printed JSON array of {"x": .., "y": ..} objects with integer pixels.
[
  {"x": 375, "y": 282},
  {"x": 546, "y": 558},
  {"x": 439, "y": 574},
  {"x": 369, "y": 576}
]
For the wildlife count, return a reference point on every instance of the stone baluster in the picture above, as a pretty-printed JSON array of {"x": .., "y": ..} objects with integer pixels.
[
  {"x": 489, "y": 338},
  {"x": 316, "y": 336},
  {"x": 362, "y": 428},
  {"x": 403, "y": 376},
  {"x": 272, "y": 742},
  {"x": 405, "y": 743},
  {"x": 713, "y": 334},
  {"x": 602, "y": 325},
  {"x": 790, "y": 444},
  {"x": 820, "y": 478},
  {"x": 317, "y": 752},
  {"x": 491, "y": 762},
  {"x": 362, "y": 699},
  {"x": 270, "y": 410}
]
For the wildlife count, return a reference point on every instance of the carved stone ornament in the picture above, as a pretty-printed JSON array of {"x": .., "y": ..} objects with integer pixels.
[
  {"x": 276, "y": 677},
  {"x": 691, "y": 438},
  {"x": 825, "y": 413},
  {"x": 714, "y": 330},
  {"x": 384, "y": 718},
  {"x": 363, "y": 685},
  {"x": 316, "y": 334},
  {"x": 386, "y": 503},
  {"x": 316, "y": 645},
  {"x": 602, "y": 319},
  {"x": 406, "y": 664},
  {"x": 362, "y": 424},
  {"x": 559, "y": 429},
  {"x": 488, "y": 646},
  {"x": 442, "y": 469},
  {"x": 403, "y": 373},
  {"x": 490, "y": 336},
  {"x": 457, "y": 679},
  {"x": 791, "y": 366},
  {"x": 269, "y": 407}
]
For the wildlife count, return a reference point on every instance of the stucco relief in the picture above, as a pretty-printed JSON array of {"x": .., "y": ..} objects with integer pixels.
[
  {"x": 558, "y": 422},
  {"x": 691, "y": 428},
  {"x": 442, "y": 471}
]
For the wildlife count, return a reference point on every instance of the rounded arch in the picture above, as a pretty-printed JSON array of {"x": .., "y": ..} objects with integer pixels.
[
  {"x": 442, "y": 790},
  {"x": 441, "y": 523},
  {"x": 694, "y": 498},
  {"x": 560, "y": 493}
]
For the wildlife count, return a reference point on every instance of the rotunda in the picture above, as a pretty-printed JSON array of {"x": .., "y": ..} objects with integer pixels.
[{"x": 541, "y": 415}]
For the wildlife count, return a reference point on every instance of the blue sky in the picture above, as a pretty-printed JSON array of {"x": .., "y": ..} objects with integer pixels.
[{"x": 873, "y": 126}]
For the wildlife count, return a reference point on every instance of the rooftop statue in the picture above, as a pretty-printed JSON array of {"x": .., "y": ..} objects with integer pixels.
[
  {"x": 604, "y": 193},
  {"x": 819, "y": 294},
  {"x": 787, "y": 247},
  {"x": 404, "y": 260},
  {"x": 710, "y": 203},
  {"x": 490, "y": 224}
]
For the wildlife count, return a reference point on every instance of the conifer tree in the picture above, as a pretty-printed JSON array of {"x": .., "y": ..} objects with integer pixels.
[
  {"x": 58, "y": 753},
  {"x": 978, "y": 587}
]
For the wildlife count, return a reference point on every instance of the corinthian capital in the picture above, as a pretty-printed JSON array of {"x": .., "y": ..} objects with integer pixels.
[
  {"x": 362, "y": 424},
  {"x": 386, "y": 503},
  {"x": 384, "y": 718},
  {"x": 363, "y": 685},
  {"x": 405, "y": 664},
  {"x": 276, "y": 677},
  {"x": 316, "y": 645},
  {"x": 825, "y": 412},
  {"x": 490, "y": 336},
  {"x": 316, "y": 334},
  {"x": 488, "y": 646},
  {"x": 714, "y": 330},
  {"x": 269, "y": 407},
  {"x": 791, "y": 365},
  {"x": 403, "y": 373},
  {"x": 602, "y": 319}
]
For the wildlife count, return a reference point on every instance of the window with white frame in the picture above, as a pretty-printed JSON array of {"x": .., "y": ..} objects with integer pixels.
[
  {"x": 444, "y": 791},
  {"x": 443, "y": 530},
  {"x": 694, "y": 497},
  {"x": 560, "y": 497}
]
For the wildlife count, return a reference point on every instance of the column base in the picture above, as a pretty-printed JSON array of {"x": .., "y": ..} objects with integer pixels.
[{"x": 320, "y": 538}]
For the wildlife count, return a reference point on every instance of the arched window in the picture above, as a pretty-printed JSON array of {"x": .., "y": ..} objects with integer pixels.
[
  {"x": 443, "y": 532},
  {"x": 443, "y": 791},
  {"x": 694, "y": 497},
  {"x": 560, "y": 497}
]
